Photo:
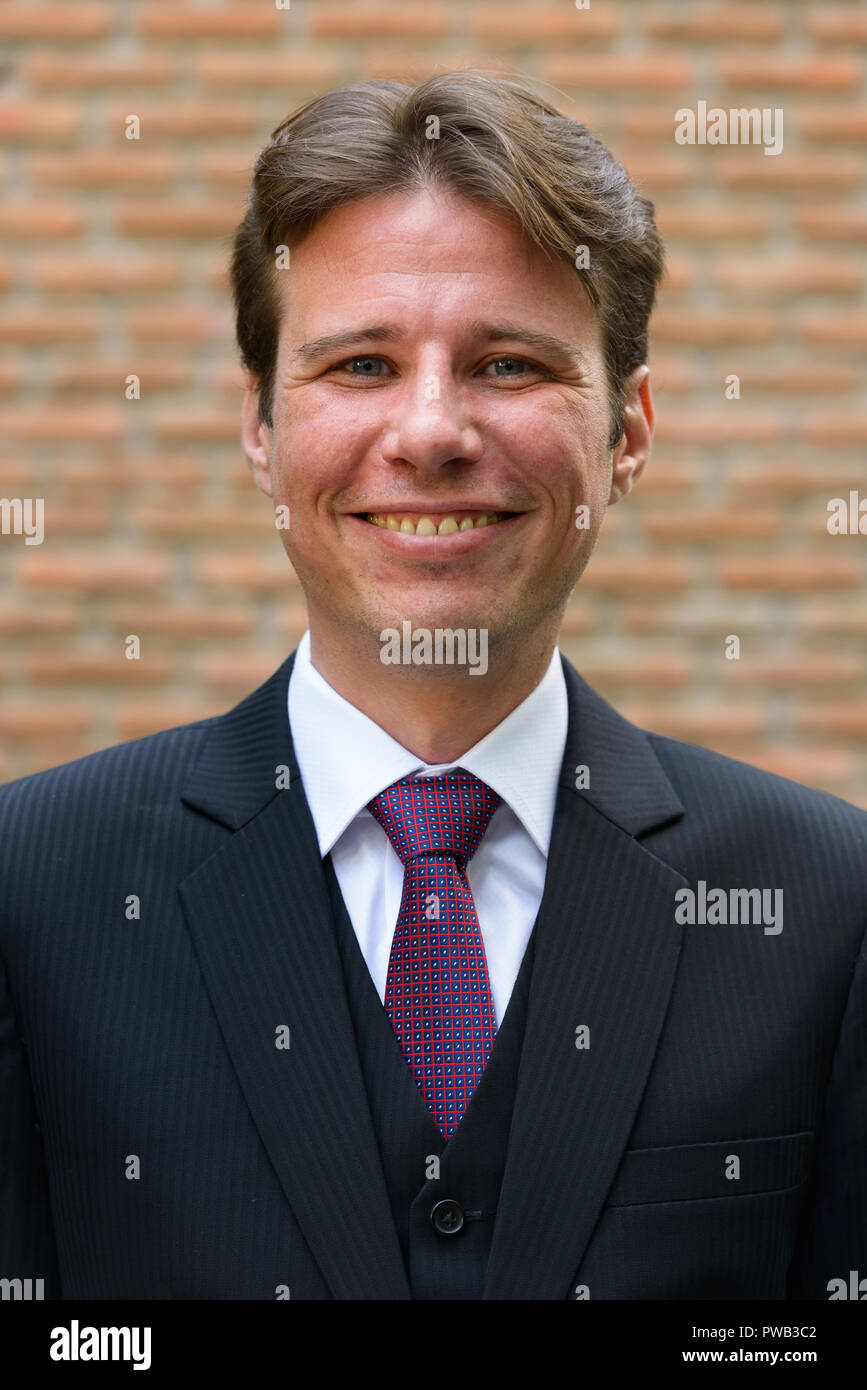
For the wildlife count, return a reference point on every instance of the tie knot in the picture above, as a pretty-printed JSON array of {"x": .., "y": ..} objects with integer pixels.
[{"x": 435, "y": 815}]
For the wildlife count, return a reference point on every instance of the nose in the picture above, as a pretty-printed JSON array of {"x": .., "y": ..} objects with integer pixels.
[{"x": 431, "y": 424}]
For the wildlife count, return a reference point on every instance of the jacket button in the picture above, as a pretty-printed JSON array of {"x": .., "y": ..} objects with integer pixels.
[{"x": 447, "y": 1217}]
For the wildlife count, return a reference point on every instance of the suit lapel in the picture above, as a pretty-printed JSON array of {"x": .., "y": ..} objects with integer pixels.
[
  {"x": 607, "y": 948},
  {"x": 259, "y": 916}
]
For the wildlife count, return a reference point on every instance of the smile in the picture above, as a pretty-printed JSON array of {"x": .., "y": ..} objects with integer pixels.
[{"x": 435, "y": 523}]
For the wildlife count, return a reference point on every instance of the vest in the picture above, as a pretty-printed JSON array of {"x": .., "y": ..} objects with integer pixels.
[{"x": 443, "y": 1195}]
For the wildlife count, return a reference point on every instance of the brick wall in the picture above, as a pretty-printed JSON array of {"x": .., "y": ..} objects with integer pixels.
[{"x": 113, "y": 261}]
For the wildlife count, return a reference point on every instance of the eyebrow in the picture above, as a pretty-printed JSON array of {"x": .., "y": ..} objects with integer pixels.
[{"x": 557, "y": 349}]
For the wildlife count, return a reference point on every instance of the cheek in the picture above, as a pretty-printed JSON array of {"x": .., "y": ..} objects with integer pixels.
[{"x": 310, "y": 455}]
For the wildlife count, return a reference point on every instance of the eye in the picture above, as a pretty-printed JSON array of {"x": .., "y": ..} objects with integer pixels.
[
  {"x": 366, "y": 362},
  {"x": 522, "y": 362}
]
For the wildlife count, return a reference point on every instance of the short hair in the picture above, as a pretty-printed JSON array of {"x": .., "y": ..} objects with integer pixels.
[{"x": 497, "y": 143}]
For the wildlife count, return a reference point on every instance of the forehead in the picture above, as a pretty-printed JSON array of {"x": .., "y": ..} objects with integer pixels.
[{"x": 432, "y": 252}]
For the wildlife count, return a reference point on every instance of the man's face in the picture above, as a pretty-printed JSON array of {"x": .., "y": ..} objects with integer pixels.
[{"x": 436, "y": 409}]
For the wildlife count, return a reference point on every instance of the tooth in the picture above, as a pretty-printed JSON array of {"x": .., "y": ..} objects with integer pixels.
[
  {"x": 392, "y": 523},
  {"x": 482, "y": 520},
  {"x": 466, "y": 524},
  {"x": 447, "y": 526},
  {"x": 377, "y": 520},
  {"x": 425, "y": 526},
  {"x": 407, "y": 527}
]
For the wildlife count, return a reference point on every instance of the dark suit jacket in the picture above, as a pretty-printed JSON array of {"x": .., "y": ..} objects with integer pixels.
[{"x": 163, "y": 911}]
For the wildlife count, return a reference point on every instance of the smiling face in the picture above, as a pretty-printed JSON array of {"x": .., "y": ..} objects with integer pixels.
[{"x": 432, "y": 405}]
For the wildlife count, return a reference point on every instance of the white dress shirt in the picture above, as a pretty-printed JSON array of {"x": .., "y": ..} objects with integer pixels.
[{"x": 345, "y": 759}]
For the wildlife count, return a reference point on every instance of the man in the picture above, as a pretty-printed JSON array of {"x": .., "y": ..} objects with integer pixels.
[{"x": 422, "y": 973}]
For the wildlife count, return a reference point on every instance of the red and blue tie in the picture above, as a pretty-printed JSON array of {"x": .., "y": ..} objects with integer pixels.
[{"x": 437, "y": 994}]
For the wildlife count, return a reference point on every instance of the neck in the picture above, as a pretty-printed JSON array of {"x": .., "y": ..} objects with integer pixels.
[{"x": 437, "y": 712}]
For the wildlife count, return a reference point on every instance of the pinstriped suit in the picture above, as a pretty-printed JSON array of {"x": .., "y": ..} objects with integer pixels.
[{"x": 152, "y": 1037}]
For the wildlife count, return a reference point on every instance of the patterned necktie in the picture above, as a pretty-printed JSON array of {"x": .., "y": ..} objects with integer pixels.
[{"x": 437, "y": 994}]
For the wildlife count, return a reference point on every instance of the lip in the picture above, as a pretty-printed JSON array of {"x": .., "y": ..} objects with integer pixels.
[{"x": 434, "y": 547}]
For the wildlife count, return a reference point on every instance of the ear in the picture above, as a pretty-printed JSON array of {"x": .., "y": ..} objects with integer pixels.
[
  {"x": 256, "y": 437},
  {"x": 633, "y": 448}
]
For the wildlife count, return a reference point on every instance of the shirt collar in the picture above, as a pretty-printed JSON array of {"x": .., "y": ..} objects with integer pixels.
[{"x": 346, "y": 759}]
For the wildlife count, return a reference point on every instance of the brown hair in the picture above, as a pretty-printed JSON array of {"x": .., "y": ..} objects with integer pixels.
[{"x": 497, "y": 143}]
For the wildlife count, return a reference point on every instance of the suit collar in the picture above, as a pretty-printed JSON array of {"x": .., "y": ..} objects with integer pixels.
[
  {"x": 520, "y": 759},
  {"x": 236, "y": 774}
]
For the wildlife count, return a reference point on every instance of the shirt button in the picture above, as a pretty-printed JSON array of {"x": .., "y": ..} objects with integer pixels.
[{"x": 447, "y": 1217}]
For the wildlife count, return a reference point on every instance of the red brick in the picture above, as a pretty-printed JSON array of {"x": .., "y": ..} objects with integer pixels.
[
  {"x": 667, "y": 672},
  {"x": 35, "y": 720},
  {"x": 713, "y": 527},
  {"x": 28, "y": 622},
  {"x": 91, "y": 71},
  {"x": 181, "y": 621},
  {"x": 846, "y": 327},
  {"x": 840, "y": 223},
  {"x": 180, "y": 219},
  {"x": 199, "y": 424},
  {"x": 837, "y": 24},
  {"x": 619, "y": 72},
  {"x": 822, "y": 616},
  {"x": 30, "y": 219},
  {"x": 246, "y": 571},
  {"x": 183, "y": 324},
  {"x": 838, "y": 428},
  {"x": 208, "y": 522},
  {"x": 104, "y": 168},
  {"x": 90, "y": 273},
  {"x": 629, "y": 572},
  {"x": 309, "y": 67},
  {"x": 226, "y": 21},
  {"x": 846, "y": 717},
  {"x": 104, "y": 374},
  {"x": 712, "y": 326},
  {"x": 108, "y": 669},
  {"x": 168, "y": 470},
  {"x": 789, "y": 573},
  {"x": 29, "y": 122},
  {"x": 696, "y": 724},
  {"x": 753, "y": 23},
  {"x": 138, "y": 720},
  {"x": 649, "y": 173},
  {"x": 817, "y": 767},
  {"x": 770, "y": 72},
  {"x": 792, "y": 479},
  {"x": 793, "y": 670},
  {"x": 238, "y": 672},
  {"x": 79, "y": 520},
  {"x": 11, "y": 376},
  {"x": 375, "y": 22},
  {"x": 802, "y": 171},
  {"x": 827, "y": 123},
  {"x": 662, "y": 477},
  {"x": 717, "y": 222},
  {"x": 728, "y": 423},
  {"x": 542, "y": 24},
  {"x": 384, "y": 60},
  {"x": 95, "y": 573},
  {"x": 48, "y": 325},
  {"x": 798, "y": 274},
  {"x": 183, "y": 120},
  {"x": 68, "y": 423},
  {"x": 71, "y": 23}
]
